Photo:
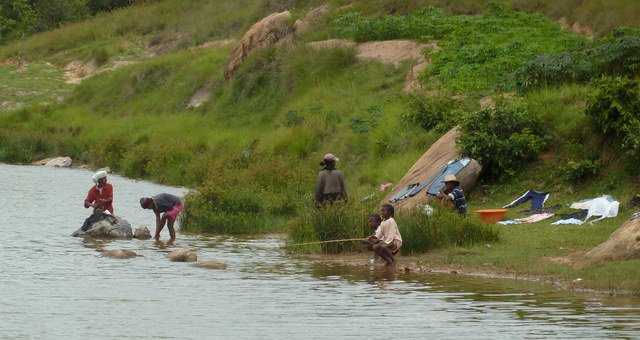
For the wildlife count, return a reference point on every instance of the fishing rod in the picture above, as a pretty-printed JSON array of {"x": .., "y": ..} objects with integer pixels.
[{"x": 329, "y": 241}]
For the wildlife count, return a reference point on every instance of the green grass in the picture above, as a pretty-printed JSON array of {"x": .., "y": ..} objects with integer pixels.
[{"x": 35, "y": 83}]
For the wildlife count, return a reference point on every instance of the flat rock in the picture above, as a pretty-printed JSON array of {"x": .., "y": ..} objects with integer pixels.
[
  {"x": 119, "y": 253},
  {"x": 59, "y": 162},
  {"x": 183, "y": 255},
  {"x": 211, "y": 264}
]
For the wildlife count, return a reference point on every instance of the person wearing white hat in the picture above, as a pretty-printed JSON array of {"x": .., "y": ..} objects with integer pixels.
[
  {"x": 100, "y": 196},
  {"x": 330, "y": 186},
  {"x": 451, "y": 192}
]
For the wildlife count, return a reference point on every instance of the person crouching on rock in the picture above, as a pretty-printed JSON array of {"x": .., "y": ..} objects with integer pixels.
[
  {"x": 330, "y": 186},
  {"x": 454, "y": 194},
  {"x": 386, "y": 241},
  {"x": 169, "y": 206},
  {"x": 100, "y": 196}
]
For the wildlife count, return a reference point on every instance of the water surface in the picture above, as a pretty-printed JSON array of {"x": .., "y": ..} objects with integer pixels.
[{"x": 56, "y": 286}]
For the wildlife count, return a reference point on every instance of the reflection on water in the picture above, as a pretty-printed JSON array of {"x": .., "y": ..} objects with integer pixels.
[{"x": 55, "y": 286}]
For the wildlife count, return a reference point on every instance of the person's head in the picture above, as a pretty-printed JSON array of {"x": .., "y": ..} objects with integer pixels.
[
  {"x": 450, "y": 182},
  {"x": 100, "y": 178},
  {"x": 387, "y": 211},
  {"x": 374, "y": 221},
  {"x": 329, "y": 161},
  {"x": 146, "y": 203}
]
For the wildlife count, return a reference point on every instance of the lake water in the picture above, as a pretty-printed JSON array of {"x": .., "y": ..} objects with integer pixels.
[{"x": 55, "y": 286}]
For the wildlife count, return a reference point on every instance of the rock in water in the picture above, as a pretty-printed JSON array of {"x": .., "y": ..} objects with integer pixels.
[
  {"x": 623, "y": 244},
  {"x": 183, "y": 255},
  {"x": 142, "y": 233},
  {"x": 265, "y": 33},
  {"x": 119, "y": 253},
  {"x": 59, "y": 162},
  {"x": 211, "y": 264},
  {"x": 101, "y": 225}
]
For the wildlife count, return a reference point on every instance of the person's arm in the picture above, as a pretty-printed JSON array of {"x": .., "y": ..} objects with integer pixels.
[
  {"x": 158, "y": 219},
  {"x": 88, "y": 201}
]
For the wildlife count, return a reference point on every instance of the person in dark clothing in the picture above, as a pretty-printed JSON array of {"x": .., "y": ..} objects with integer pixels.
[
  {"x": 330, "y": 186},
  {"x": 454, "y": 194},
  {"x": 170, "y": 206}
]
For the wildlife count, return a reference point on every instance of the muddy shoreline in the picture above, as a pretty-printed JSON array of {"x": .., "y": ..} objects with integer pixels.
[{"x": 418, "y": 265}]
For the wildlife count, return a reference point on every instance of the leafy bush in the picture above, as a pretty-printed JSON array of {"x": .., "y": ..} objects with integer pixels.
[
  {"x": 615, "y": 111},
  {"x": 432, "y": 113},
  {"x": 616, "y": 54},
  {"x": 217, "y": 208},
  {"x": 579, "y": 171},
  {"x": 444, "y": 228},
  {"x": 502, "y": 139}
]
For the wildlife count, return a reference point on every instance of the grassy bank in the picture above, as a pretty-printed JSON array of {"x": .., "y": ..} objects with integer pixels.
[{"x": 251, "y": 151}]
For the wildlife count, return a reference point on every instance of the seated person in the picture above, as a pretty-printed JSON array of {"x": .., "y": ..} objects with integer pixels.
[
  {"x": 454, "y": 194},
  {"x": 100, "y": 196},
  {"x": 386, "y": 241},
  {"x": 374, "y": 222}
]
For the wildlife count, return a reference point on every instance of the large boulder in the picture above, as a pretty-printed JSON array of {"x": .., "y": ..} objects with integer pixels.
[
  {"x": 312, "y": 18},
  {"x": 431, "y": 163},
  {"x": 265, "y": 33},
  {"x": 101, "y": 225},
  {"x": 623, "y": 244}
]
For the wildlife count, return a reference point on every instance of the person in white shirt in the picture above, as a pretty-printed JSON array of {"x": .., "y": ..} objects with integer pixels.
[{"x": 386, "y": 241}]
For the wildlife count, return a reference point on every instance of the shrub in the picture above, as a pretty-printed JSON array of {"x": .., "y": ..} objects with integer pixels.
[
  {"x": 443, "y": 228},
  {"x": 431, "y": 113},
  {"x": 615, "y": 111},
  {"x": 579, "y": 171},
  {"x": 502, "y": 139},
  {"x": 220, "y": 208}
]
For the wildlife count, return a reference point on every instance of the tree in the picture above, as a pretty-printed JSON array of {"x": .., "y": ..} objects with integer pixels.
[{"x": 17, "y": 17}]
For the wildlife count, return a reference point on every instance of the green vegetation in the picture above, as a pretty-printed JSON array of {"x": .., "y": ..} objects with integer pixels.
[
  {"x": 251, "y": 152},
  {"x": 442, "y": 229},
  {"x": 616, "y": 54},
  {"x": 479, "y": 53},
  {"x": 335, "y": 222},
  {"x": 23, "y": 17},
  {"x": 502, "y": 139},
  {"x": 615, "y": 111},
  {"x": 29, "y": 84}
]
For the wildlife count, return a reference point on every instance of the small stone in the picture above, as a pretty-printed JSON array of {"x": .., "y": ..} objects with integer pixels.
[
  {"x": 142, "y": 233},
  {"x": 119, "y": 253},
  {"x": 183, "y": 255},
  {"x": 212, "y": 264}
]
